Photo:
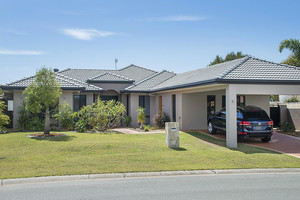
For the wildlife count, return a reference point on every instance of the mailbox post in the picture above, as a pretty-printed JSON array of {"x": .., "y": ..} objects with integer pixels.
[{"x": 172, "y": 134}]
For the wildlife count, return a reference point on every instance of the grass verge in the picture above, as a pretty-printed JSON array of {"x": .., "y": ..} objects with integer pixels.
[{"x": 87, "y": 153}]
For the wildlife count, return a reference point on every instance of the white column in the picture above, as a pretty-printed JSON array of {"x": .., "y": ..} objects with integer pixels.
[{"x": 231, "y": 126}]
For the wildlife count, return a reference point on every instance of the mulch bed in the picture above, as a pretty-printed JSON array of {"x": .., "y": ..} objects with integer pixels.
[{"x": 42, "y": 135}]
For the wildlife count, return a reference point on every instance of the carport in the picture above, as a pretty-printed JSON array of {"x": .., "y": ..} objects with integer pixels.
[{"x": 248, "y": 77}]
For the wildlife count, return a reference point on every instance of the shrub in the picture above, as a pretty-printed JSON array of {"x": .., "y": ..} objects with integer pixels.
[
  {"x": 146, "y": 128},
  {"x": 29, "y": 121},
  {"x": 101, "y": 115},
  {"x": 160, "y": 119},
  {"x": 141, "y": 117},
  {"x": 127, "y": 120},
  {"x": 293, "y": 99},
  {"x": 80, "y": 126},
  {"x": 35, "y": 124},
  {"x": 286, "y": 127},
  {"x": 65, "y": 116},
  {"x": 4, "y": 119}
]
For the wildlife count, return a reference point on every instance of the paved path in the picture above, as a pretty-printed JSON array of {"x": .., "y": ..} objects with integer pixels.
[
  {"x": 131, "y": 131},
  {"x": 279, "y": 142},
  {"x": 238, "y": 186}
]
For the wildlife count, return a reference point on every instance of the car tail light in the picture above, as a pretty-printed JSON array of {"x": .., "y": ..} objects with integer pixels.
[
  {"x": 243, "y": 133},
  {"x": 272, "y": 132},
  {"x": 245, "y": 123},
  {"x": 270, "y": 123}
]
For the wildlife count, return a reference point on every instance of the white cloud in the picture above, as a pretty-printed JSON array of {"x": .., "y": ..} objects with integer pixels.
[
  {"x": 86, "y": 34},
  {"x": 20, "y": 52},
  {"x": 178, "y": 18}
]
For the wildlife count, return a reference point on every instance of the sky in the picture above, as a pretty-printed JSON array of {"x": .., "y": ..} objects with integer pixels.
[{"x": 173, "y": 35}]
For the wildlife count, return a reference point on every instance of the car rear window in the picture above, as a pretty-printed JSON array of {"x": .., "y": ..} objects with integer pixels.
[{"x": 256, "y": 115}]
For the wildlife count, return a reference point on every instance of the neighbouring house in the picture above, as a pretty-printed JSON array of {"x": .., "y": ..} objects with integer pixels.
[{"x": 188, "y": 98}]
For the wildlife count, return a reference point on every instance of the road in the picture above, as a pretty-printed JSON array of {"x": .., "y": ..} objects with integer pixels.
[{"x": 250, "y": 186}]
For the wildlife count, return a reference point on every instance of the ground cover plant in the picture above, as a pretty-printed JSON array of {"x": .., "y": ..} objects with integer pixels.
[{"x": 108, "y": 153}]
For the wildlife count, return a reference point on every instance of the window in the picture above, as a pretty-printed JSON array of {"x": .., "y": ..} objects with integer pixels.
[
  {"x": 241, "y": 101},
  {"x": 174, "y": 107},
  {"x": 160, "y": 103},
  {"x": 78, "y": 102}
]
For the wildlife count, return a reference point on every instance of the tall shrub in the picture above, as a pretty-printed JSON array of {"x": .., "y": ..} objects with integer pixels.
[
  {"x": 4, "y": 119},
  {"x": 160, "y": 119},
  {"x": 65, "y": 116},
  {"x": 141, "y": 117}
]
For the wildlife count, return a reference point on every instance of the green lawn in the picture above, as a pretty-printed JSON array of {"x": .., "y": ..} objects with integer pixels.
[{"x": 86, "y": 153}]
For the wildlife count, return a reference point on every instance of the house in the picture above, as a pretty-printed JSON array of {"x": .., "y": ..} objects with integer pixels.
[{"x": 188, "y": 98}]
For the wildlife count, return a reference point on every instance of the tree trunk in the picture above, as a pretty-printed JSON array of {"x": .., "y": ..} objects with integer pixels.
[{"x": 47, "y": 121}]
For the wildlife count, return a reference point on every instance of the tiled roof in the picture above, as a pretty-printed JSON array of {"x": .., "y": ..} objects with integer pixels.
[
  {"x": 133, "y": 72},
  {"x": 66, "y": 82},
  {"x": 109, "y": 77},
  {"x": 150, "y": 82},
  {"x": 243, "y": 69},
  {"x": 256, "y": 69},
  {"x": 202, "y": 74}
]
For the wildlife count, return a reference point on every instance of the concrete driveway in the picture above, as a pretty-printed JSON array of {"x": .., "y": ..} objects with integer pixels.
[{"x": 279, "y": 142}]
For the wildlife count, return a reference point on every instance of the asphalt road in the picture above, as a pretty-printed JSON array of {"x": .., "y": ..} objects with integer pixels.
[{"x": 251, "y": 186}]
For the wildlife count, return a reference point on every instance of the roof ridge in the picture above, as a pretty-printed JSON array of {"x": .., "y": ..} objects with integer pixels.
[
  {"x": 284, "y": 65},
  {"x": 110, "y": 73},
  {"x": 136, "y": 66},
  {"x": 62, "y": 70},
  {"x": 243, "y": 60},
  {"x": 148, "y": 78},
  {"x": 76, "y": 80},
  {"x": 69, "y": 79}
]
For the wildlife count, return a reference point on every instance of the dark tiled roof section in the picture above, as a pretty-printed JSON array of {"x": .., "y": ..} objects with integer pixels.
[
  {"x": 256, "y": 69},
  {"x": 203, "y": 74},
  {"x": 87, "y": 86},
  {"x": 133, "y": 72},
  {"x": 150, "y": 82},
  {"x": 108, "y": 76},
  {"x": 66, "y": 82}
]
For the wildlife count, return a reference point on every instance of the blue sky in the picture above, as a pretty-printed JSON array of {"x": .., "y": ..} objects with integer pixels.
[{"x": 176, "y": 35}]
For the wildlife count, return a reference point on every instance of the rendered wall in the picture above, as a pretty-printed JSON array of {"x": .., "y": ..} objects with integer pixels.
[{"x": 18, "y": 99}]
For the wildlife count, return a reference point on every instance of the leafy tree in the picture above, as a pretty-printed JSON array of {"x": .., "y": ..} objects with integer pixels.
[
  {"x": 230, "y": 56},
  {"x": 43, "y": 93},
  {"x": 274, "y": 98},
  {"x": 293, "y": 99},
  {"x": 4, "y": 119},
  {"x": 141, "y": 117},
  {"x": 294, "y": 46}
]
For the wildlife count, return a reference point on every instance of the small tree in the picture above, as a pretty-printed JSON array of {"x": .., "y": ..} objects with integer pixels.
[
  {"x": 43, "y": 93},
  {"x": 141, "y": 117},
  {"x": 4, "y": 119}
]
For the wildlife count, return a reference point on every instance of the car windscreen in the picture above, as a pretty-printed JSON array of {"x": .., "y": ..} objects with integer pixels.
[{"x": 256, "y": 115}]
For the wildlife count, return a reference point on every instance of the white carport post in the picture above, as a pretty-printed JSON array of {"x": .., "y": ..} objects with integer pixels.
[{"x": 231, "y": 127}]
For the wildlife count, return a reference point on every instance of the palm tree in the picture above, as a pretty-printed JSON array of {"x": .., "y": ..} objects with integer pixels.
[{"x": 294, "y": 46}]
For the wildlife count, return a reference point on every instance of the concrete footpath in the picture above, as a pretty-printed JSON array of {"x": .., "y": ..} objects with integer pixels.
[{"x": 148, "y": 174}]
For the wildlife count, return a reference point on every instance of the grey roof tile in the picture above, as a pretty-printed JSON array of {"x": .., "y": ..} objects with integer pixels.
[
  {"x": 108, "y": 76},
  {"x": 245, "y": 69},
  {"x": 150, "y": 82},
  {"x": 133, "y": 72}
]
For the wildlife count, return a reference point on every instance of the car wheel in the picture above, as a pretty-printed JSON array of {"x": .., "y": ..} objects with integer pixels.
[
  {"x": 266, "y": 139},
  {"x": 211, "y": 128}
]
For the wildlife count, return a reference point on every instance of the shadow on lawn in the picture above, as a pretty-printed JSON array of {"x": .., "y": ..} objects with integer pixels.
[
  {"x": 247, "y": 149},
  {"x": 179, "y": 149},
  {"x": 55, "y": 139}
]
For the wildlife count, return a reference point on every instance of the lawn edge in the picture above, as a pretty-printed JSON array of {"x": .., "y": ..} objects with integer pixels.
[{"x": 46, "y": 179}]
